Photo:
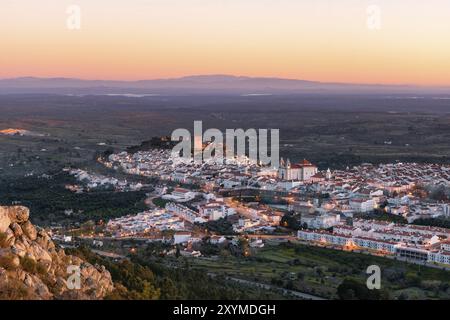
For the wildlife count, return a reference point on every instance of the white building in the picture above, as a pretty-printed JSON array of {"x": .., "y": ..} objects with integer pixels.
[
  {"x": 180, "y": 195},
  {"x": 181, "y": 237},
  {"x": 215, "y": 210},
  {"x": 257, "y": 243},
  {"x": 362, "y": 205},
  {"x": 302, "y": 171},
  {"x": 182, "y": 212},
  {"x": 346, "y": 240},
  {"x": 446, "y": 209},
  {"x": 446, "y": 246},
  {"x": 439, "y": 257},
  {"x": 409, "y": 242},
  {"x": 231, "y": 183},
  {"x": 321, "y": 221},
  {"x": 217, "y": 239}
]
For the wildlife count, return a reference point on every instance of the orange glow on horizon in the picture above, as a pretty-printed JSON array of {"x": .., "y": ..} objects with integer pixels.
[{"x": 317, "y": 40}]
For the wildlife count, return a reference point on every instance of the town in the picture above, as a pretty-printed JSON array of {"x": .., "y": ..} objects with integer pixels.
[{"x": 337, "y": 209}]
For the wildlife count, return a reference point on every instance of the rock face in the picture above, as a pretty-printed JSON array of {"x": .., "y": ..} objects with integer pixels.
[
  {"x": 5, "y": 221},
  {"x": 32, "y": 267}
]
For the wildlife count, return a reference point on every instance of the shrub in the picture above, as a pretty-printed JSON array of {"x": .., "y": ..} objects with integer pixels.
[
  {"x": 31, "y": 266},
  {"x": 351, "y": 289},
  {"x": 7, "y": 262},
  {"x": 28, "y": 265},
  {"x": 3, "y": 238},
  {"x": 14, "y": 290}
]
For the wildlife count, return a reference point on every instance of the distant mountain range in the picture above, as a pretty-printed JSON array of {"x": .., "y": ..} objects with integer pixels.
[{"x": 203, "y": 84}]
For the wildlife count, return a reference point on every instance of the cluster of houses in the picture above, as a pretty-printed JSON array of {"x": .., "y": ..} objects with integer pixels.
[
  {"x": 159, "y": 163},
  {"x": 91, "y": 181},
  {"x": 359, "y": 189},
  {"x": 145, "y": 222},
  {"x": 175, "y": 216},
  {"x": 338, "y": 195},
  {"x": 426, "y": 244},
  {"x": 367, "y": 187},
  {"x": 238, "y": 172},
  {"x": 189, "y": 241},
  {"x": 257, "y": 218},
  {"x": 393, "y": 177},
  {"x": 206, "y": 208},
  {"x": 180, "y": 195}
]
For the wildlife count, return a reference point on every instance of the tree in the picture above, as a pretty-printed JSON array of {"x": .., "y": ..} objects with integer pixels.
[
  {"x": 244, "y": 247},
  {"x": 439, "y": 193},
  {"x": 351, "y": 289},
  {"x": 149, "y": 292},
  {"x": 403, "y": 296},
  {"x": 291, "y": 221},
  {"x": 169, "y": 290}
]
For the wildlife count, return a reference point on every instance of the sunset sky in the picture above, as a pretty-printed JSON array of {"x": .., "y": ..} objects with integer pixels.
[{"x": 323, "y": 40}]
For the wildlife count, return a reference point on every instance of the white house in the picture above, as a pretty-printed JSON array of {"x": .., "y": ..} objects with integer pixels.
[
  {"x": 322, "y": 221},
  {"x": 181, "y": 237},
  {"x": 180, "y": 195},
  {"x": 446, "y": 210},
  {"x": 362, "y": 205}
]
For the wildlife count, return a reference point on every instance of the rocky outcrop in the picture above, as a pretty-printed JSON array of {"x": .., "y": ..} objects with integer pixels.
[{"x": 32, "y": 267}]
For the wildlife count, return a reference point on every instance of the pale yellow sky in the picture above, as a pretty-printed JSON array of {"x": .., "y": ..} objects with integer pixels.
[{"x": 324, "y": 40}]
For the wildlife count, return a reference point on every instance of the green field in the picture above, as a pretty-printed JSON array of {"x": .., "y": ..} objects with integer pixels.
[{"x": 319, "y": 271}]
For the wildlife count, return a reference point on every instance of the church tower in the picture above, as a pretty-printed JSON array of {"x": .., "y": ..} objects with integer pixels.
[{"x": 328, "y": 174}]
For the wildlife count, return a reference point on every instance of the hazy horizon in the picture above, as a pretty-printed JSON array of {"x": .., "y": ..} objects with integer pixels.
[{"x": 236, "y": 76}]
